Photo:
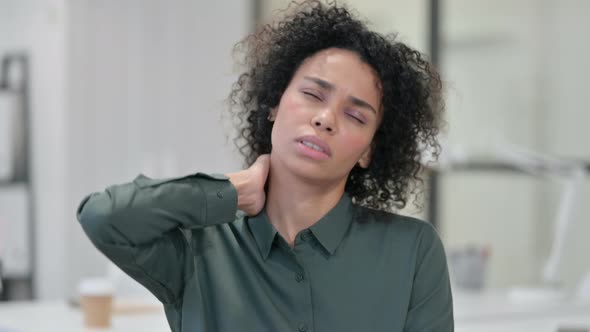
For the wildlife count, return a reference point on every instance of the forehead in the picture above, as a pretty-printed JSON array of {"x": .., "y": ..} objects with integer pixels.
[{"x": 345, "y": 70}]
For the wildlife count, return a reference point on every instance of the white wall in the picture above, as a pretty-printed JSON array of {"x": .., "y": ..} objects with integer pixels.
[{"x": 49, "y": 129}]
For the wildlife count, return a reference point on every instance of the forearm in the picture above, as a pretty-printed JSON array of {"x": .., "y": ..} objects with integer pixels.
[{"x": 141, "y": 211}]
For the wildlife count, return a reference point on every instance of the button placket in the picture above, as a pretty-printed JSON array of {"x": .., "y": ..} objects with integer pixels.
[{"x": 301, "y": 277}]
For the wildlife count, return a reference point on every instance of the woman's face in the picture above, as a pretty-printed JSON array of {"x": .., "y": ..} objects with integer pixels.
[{"x": 327, "y": 117}]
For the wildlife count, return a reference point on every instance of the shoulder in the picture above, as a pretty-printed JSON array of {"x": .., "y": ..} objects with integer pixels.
[
  {"x": 388, "y": 221},
  {"x": 398, "y": 230}
]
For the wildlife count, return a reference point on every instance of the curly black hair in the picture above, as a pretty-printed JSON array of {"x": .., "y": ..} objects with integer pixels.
[{"x": 410, "y": 88}]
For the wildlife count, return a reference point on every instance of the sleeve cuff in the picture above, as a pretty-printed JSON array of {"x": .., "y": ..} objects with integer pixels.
[{"x": 221, "y": 198}]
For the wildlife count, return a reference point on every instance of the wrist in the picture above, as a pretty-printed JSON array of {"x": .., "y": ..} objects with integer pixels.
[{"x": 240, "y": 181}]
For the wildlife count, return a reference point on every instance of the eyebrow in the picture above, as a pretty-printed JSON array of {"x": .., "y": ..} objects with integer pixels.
[{"x": 330, "y": 87}]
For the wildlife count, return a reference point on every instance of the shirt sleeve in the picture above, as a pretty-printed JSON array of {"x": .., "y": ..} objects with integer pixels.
[
  {"x": 431, "y": 303},
  {"x": 138, "y": 225}
]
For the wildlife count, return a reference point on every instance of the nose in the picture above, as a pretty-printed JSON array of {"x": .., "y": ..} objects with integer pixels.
[{"x": 325, "y": 120}]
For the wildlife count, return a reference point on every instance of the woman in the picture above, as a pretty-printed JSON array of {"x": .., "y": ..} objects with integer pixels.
[{"x": 333, "y": 120}]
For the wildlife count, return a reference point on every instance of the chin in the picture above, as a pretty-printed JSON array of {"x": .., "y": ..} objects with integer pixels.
[{"x": 313, "y": 171}]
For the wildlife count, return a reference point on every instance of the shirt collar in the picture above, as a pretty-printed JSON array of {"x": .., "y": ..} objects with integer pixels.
[
  {"x": 329, "y": 230},
  {"x": 264, "y": 232},
  {"x": 332, "y": 227}
]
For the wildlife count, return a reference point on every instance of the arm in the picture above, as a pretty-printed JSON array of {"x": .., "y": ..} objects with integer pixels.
[
  {"x": 431, "y": 303},
  {"x": 137, "y": 225}
]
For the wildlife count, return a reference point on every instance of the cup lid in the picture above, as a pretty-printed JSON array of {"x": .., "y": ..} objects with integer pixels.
[{"x": 95, "y": 286}]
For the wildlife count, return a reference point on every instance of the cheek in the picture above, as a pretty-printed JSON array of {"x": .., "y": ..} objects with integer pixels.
[
  {"x": 291, "y": 113},
  {"x": 355, "y": 145},
  {"x": 290, "y": 108},
  {"x": 288, "y": 114}
]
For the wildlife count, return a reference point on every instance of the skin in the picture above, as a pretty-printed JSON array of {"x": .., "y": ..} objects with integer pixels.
[{"x": 335, "y": 97}]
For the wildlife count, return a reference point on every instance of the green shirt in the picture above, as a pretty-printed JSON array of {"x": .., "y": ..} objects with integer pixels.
[{"x": 215, "y": 269}]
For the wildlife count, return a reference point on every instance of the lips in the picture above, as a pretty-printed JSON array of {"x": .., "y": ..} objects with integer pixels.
[{"x": 317, "y": 142}]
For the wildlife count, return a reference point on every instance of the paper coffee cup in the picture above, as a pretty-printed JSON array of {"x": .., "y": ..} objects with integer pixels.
[{"x": 96, "y": 300}]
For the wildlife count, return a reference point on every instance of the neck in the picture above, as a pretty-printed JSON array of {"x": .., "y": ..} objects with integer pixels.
[{"x": 294, "y": 204}]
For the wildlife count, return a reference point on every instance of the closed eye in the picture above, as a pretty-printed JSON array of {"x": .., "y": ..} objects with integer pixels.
[
  {"x": 312, "y": 95},
  {"x": 356, "y": 118}
]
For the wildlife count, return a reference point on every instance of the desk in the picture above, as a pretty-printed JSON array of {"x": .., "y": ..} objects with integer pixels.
[
  {"x": 58, "y": 316},
  {"x": 493, "y": 311},
  {"x": 574, "y": 322}
]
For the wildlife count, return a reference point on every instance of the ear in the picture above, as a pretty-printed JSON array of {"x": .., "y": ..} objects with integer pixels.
[
  {"x": 272, "y": 115},
  {"x": 365, "y": 160}
]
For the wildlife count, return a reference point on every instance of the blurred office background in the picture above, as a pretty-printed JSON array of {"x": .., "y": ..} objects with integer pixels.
[{"x": 116, "y": 88}]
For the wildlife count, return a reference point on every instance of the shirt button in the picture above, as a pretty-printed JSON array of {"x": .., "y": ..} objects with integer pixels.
[
  {"x": 219, "y": 194},
  {"x": 299, "y": 277},
  {"x": 302, "y": 327},
  {"x": 305, "y": 236}
]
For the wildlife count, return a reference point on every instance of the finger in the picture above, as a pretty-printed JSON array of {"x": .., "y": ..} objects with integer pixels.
[
  {"x": 262, "y": 161},
  {"x": 263, "y": 158}
]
